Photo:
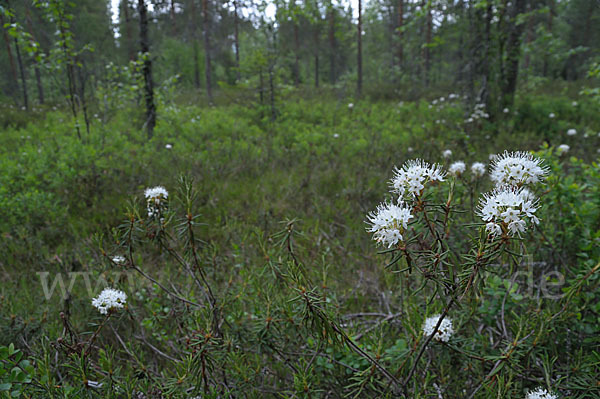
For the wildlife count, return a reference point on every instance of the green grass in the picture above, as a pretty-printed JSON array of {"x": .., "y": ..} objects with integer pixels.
[{"x": 325, "y": 167}]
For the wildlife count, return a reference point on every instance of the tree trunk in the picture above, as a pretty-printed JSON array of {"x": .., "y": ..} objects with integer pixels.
[
  {"x": 296, "y": 54},
  {"x": 399, "y": 31},
  {"x": 172, "y": 15},
  {"x": 147, "y": 69},
  {"x": 128, "y": 34},
  {"x": 332, "y": 74},
  {"x": 193, "y": 26},
  {"x": 22, "y": 73},
  {"x": 261, "y": 89},
  {"x": 272, "y": 90},
  {"x": 236, "y": 40},
  {"x": 513, "y": 52},
  {"x": 36, "y": 67},
  {"x": 428, "y": 31},
  {"x": 207, "y": 62},
  {"x": 359, "y": 55},
  {"x": 13, "y": 82},
  {"x": 550, "y": 23},
  {"x": 316, "y": 57}
]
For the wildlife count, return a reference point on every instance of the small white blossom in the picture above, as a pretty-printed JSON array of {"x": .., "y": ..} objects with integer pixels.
[
  {"x": 517, "y": 168},
  {"x": 457, "y": 168},
  {"x": 388, "y": 223},
  {"x": 563, "y": 149},
  {"x": 574, "y": 103},
  {"x": 443, "y": 333},
  {"x": 119, "y": 260},
  {"x": 447, "y": 154},
  {"x": 478, "y": 169},
  {"x": 551, "y": 115},
  {"x": 109, "y": 299},
  {"x": 571, "y": 132},
  {"x": 168, "y": 146},
  {"x": 506, "y": 110},
  {"x": 540, "y": 393},
  {"x": 350, "y": 106},
  {"x": 413, "y": 176},
  {"x": 508, "y": 209}
]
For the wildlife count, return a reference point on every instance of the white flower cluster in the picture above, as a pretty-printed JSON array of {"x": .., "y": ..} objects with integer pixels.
[
  {"x": 457, "y": 168},
  {"x": 541, "y": 393},
  {"x": 571, "y": 132},
  {"x": 562, "y": 149},
  {"x": 109, "y": 299},
  {"x": 155, "y": 198},
  {"x": 443, "y": 333},
  {"x": 447, "y": 154},
  {"x": 516, "y": 169},
  {"x": 478, "y": 169},
  {"x": 507, "y": 210},
  {"x": 413, "y": 176},
  {"x": 478, "y": 113},
  {"x": 389, "y": 222}
]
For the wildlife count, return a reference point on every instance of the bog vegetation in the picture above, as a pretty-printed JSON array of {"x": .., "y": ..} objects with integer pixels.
[{"x": 304, "y": 200}]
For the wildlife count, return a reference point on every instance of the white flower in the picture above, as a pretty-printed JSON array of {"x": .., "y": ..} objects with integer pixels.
[
  {"x": 447, "y": 154},
  {"x": 551, "y": 115},
  {"x": 563, "y": 149},
  {"x": 336, "y": 135},
  {"x": 350, "y": 106},
  {"x": 388, "y": 223},
  {"x": 443, "y": 333},
  {"x": 508, "y": 209},
  {"x": 119, "y": 260},
  {"x": 517, "y": 168},
  {"x": 478, "y": 169},
  {"x": 168, "y": 146},
  {"x": 155, "y": 198},
  {"x": 109, "y": 299},
  {"x": 457, "y": 168},
  {"x": 413, "y": 176},
  {"x": 574, "y": 103},
  {"x": 540, "y": 393},
  {"x": 571, "y": 132},
  {"x": 506, "y": 110}
]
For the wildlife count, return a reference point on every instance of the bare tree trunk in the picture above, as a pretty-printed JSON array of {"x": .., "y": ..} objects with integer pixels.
[
  {"x": 261, "y": 89},
  {"x": 272, "y": 90},
  {"x": 550, "y": 23},
  {"x": 513, "y": 52},
  {"x": 36, "y": 67},
  {"x": 332, "y": 73},
  {"x": 82, "y": 99},
  {"x": 22, "y": 73},
  {"x": 172, "y": 16},
  {"x": 528, "y": 40},
  {"x": 207, "y": 61},
  {"x": 399, "y": 31},
  {"x": 13, "y": 83},
  {"x": 316, "y": 57},
  {"x": 359, "y": 56},
  {"x": 21, "y": 66},
  {"x": 296, "y": 54},
  {"x": 236, "y": 40},
  {"x": 128, "y": 33},
  {"x": 428, "y": 31},
  {"x": 147, "y": 69},
  {"x": 194, "y": 18}
]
